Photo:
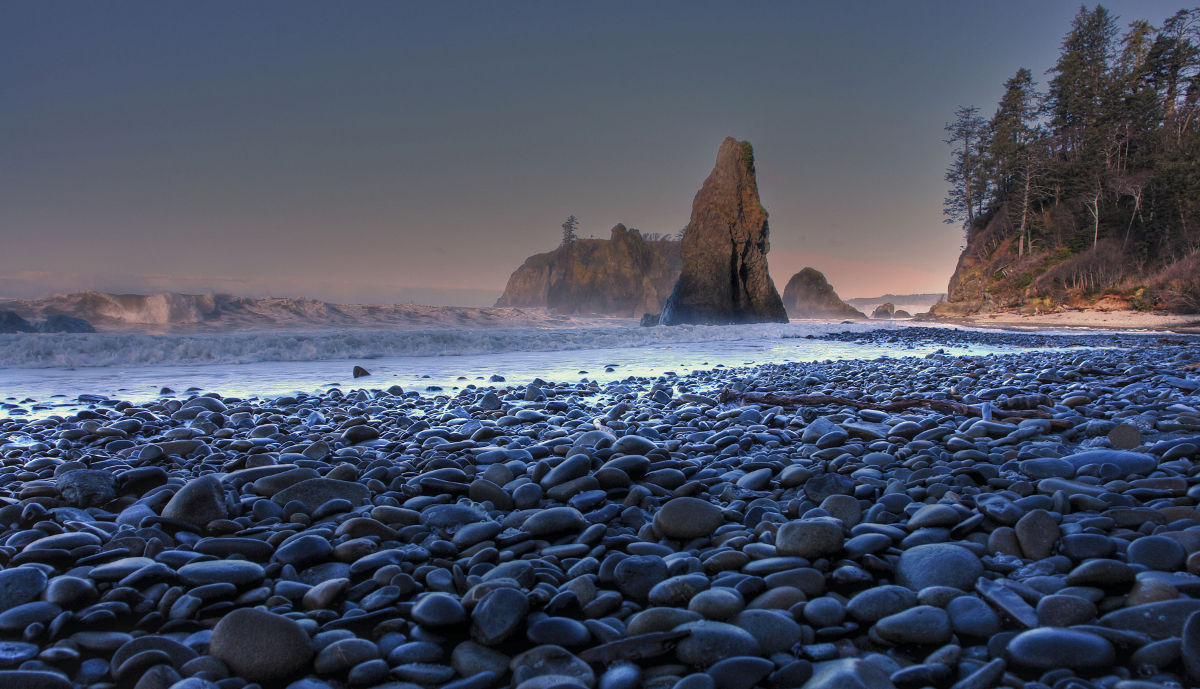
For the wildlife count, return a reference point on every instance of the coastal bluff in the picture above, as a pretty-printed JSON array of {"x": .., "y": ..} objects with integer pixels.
[
  {"x": 624, "y": 275},
  {"x": 724, "y": 277}
]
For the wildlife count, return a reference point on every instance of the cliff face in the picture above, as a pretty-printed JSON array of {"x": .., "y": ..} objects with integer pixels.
[
  {"x": 725, "y": 277},
  {"x": 1067, "y": 266},
  {"x": 624, "y": 275},
  {"x": 809, "y": 295}
]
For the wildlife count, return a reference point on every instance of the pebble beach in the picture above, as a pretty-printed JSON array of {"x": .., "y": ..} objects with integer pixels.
[{"x": 1008, "y": 520}]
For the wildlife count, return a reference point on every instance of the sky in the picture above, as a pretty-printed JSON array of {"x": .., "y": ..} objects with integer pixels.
[{"x": 387, "y": 152}]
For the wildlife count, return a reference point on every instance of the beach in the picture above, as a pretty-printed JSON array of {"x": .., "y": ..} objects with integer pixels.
[
  {"x": 1014, "y": 519},
  {"x": 1117, "y": 319}
]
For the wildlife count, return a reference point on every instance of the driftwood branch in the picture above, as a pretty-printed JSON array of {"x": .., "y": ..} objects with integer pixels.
[{"x": 945, "y": 406}]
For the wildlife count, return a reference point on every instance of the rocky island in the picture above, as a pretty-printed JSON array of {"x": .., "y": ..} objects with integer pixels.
[
  {"x": 809, "y": 295},
  {"x": 624, "y": 275}
]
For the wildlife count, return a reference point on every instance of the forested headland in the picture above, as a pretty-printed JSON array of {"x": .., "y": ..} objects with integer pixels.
[{"x": 1084, "y": 190}]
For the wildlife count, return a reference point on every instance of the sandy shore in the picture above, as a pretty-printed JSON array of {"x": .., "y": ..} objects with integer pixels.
[{"x": 1104, "y": 320}]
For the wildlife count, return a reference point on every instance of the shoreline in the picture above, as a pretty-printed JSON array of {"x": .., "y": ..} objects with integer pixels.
[
  {"x": 1083, "y": 319},
  {"x": 1022, "y": 519}
]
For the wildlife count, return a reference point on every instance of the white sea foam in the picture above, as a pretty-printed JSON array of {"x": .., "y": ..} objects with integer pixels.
[
  {"x": 139, "y": 349},
  {"x": 175, "y": 312}
]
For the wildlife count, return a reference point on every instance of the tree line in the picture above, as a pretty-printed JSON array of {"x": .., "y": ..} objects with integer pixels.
[
  {"x": 570, "y": 233},
  {"x": 1102, "y": 162}
]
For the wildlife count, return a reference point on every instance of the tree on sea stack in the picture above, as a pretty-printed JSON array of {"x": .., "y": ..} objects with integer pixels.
[
  {"x": 725, "y": 244},
  {"x": 568, "y": 227}
]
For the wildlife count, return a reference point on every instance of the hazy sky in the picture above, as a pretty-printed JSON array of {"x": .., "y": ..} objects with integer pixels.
[{"x": 396, "y": 151}]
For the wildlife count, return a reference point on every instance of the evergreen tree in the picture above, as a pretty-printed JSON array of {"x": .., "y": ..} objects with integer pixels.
[
  {"x": 1110, "y": 149},
  {"x": 568, "y": 230},
  {"x": 967, "y": 174},
  {"x": 1016, "y": 160}
]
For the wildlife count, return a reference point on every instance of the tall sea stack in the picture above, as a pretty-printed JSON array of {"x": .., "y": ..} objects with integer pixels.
[{"x": 725, "y": 278}]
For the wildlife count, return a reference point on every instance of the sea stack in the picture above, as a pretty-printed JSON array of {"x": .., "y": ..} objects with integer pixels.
[
  {"x": 809, "y": 295},
  {"x": 725, "y": 245}
]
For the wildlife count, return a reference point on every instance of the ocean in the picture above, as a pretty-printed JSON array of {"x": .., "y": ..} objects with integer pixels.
[{"x": 45, "y": 374}]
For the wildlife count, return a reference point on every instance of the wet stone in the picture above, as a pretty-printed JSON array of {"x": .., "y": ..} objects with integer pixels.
[
  {"x": 687, "y": 518},
  {"x": 938, "y": 564}
]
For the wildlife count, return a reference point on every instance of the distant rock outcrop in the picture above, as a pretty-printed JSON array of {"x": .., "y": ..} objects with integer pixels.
[
  {"x": 12, "y": 322},
  {"x": 809, "y": 295},
  {"x": 59, "y": 323},
  {"x": 885, "y": 311},
  {"x": 725, "y": 245},
  {"x": 624, "y": 275}
]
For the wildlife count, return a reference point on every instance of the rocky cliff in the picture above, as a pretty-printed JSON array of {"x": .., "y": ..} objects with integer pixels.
[
  {"x": 809, "y": 295},
  {"x": 725, "y": 277},
  {"x": 624, "y": 275},
  {"x": 997, "y": 271}
]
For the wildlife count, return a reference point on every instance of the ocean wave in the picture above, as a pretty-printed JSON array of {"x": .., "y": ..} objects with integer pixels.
[
  {"x": 217, "y": 313},
  {"x": 138, "y": 349}
]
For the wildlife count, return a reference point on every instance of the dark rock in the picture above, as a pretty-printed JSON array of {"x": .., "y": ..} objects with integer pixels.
[
  {"x": 938, "y": 564},
  {"x": 20, "y": 585},
  {"x": 1161, "y": 620},
  {"x": 13, "y": 653},
  {"x": 236, "y": 572},
  {"x": 500, "y": 614},
  {"x": 199, "y": 501},
  {"x": 1158, "y": 552},
  {"x": 809, "y": 295},
  {"x": 725, "y": 277},
  {"x": 876, "y": 603},
  {"x": 1190, "y": 646},
  {"x": 923, "y": 625},
  {"x": 688, "y": 518},
  {"x": 261, "y": 646},
  {"x": 636, "y": 575},
  {"x": 1049, "y": 648},
  {"x": 809, "y": 538},
  {"x": 438, "y": 610},
  {"x": 740, "y": 672},
  {"x": 86, "y": 487},
  {"x": 552, "y": 521},
  {"x": 624, "y": 275},
  {"x": 342, "y": 655},
  {"x": 710, "y": 642},
  {"x": 33, "y": 679},
  {"x": 314, "y": 492},
  {"x": 1126, "y": 462},
  {"x": 885, "y": 311},
  {"x": 360, "y": 372}
]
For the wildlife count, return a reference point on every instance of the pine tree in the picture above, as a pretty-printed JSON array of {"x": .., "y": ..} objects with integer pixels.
[
  {"x": 1016, "y": 159},
  {"x": 568, "y": 230},
  {"x": 967, "y": 136}
]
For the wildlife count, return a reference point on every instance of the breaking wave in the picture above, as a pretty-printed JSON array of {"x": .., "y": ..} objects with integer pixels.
[{"x": 139, "y": 349}]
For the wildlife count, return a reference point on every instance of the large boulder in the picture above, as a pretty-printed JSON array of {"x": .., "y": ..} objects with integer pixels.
[
  {"x": 624, "y": 275},
  {"x": 809, "y": 295},
  {"x": 725, "y": 277},
  {"x": 885, "y": 311}
]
